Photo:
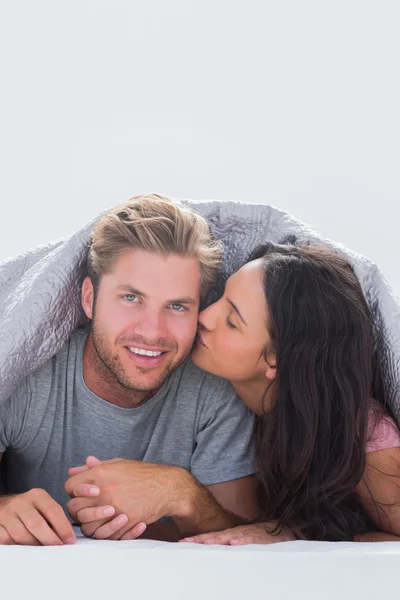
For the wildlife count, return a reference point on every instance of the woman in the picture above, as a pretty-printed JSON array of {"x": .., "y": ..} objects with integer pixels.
[{"x": 294, "y": 335}]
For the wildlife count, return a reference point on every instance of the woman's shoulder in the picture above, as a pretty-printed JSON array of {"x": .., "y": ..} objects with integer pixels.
[{"x": 383, "y": 432}]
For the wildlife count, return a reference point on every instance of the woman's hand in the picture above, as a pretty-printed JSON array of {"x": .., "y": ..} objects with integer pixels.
[{"x": 258, "y": 533}]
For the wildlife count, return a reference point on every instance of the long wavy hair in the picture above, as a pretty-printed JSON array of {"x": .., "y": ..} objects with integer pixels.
[{"x": 310, "y": 445}]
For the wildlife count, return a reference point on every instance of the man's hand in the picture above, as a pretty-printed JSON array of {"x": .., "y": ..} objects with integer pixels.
[
  {"x": 99, "y": 520},
  {"x": 34, "y": 519},
  {"x": 258, "y": 533},
  {"x": 139, "y": 493}
]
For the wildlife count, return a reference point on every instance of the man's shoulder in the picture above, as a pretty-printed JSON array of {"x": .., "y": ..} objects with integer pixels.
[
  {"x": 191, "y": 378},
  {"x": 193, "y": 372},
  {"x": 48, "y": 370}
]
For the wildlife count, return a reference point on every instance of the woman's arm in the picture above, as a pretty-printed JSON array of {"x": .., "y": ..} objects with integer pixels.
[{"x": 379, "y": 490}]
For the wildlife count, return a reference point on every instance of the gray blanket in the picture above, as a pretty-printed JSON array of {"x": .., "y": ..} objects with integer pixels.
[{"x": 40, "y": 290}]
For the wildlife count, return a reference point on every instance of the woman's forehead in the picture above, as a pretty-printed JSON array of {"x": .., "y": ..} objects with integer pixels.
[
  {"x": 252, "y": 272},
  {"x": 245, "y": 288}
]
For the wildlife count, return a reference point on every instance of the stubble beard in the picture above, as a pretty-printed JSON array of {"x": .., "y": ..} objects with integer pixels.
[{"x": 112, "y": 372}]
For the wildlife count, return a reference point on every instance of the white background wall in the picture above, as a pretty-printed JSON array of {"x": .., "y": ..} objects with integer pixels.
[{"x": 293, "y": 103}]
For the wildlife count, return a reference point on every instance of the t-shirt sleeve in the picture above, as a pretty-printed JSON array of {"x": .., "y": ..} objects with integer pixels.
[
  {"x": 13, "y": 417},
  {"x": 224, "y": 445},
  {"x": 383, "y": 432}
]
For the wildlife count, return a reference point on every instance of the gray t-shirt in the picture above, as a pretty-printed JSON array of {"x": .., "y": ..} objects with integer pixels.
[{"x": 53, "y": 421}]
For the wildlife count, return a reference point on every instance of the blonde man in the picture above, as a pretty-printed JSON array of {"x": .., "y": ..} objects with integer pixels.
[{"x": 160, "y": 437}]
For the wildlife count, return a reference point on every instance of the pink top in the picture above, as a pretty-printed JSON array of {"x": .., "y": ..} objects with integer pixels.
[{"x": 383, "y": 432}]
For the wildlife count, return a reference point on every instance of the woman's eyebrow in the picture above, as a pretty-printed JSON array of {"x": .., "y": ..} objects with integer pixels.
[{"x": 237, "y": 311}]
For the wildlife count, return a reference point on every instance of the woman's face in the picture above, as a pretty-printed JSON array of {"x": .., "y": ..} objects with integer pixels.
[{"x": 232, "y": 337}]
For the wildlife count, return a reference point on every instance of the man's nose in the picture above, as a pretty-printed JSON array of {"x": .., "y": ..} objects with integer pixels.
[{"x": 151, "y": 325}]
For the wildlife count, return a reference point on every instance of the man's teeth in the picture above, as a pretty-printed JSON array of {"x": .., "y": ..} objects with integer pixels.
[{"x": 144, "y": 352}]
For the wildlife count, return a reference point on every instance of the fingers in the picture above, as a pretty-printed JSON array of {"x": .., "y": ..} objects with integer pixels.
[
  {"x": 33, "y": 518},
  {"x": 76, "y": 470},
  {"x": 105, "y": 530},
  {"x": 88, "y": 529},
  {"x": 376, "y": 536},
  {"x": 36, "y": 530},
  {"x": 243, "y": 541},
  {"x": 110, "y": 528},
  {"x": 92, "y": 461},
  {"x": 55, "y": 516},
  {"x": 201, "y": 538},
  {"x": 222, "y": 538},
  {"x": 5, "y": 537},
  {"x": 77, "y": 474},
  {"x": 132, "y": 532},
  {"x": 20, "y": 534},
  {"x": 81, "y": 489},
  {"x": 135, "y": 532},
  {"x": 77, "y": 504},
  {"x": 94, "y": 513},
  {"x": 240, "y": 536},
  {"x": 86, "y": 490}
]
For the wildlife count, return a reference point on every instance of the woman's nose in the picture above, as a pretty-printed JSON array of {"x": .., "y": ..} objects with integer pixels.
[{"x": 207, "y": 318}]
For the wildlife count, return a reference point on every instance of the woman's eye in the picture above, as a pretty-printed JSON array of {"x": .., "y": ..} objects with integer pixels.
[
  {"x": 131, "y": 298},
  {"x": 230, "y": 324}
]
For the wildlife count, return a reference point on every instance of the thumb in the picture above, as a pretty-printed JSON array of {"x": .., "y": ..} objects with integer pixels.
[{"x": 92, "y": 461}]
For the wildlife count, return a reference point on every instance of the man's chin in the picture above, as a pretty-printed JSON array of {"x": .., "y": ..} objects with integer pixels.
[{"x": 143, "y": 383}]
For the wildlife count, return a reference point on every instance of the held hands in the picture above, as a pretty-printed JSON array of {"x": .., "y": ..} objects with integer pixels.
[
  {"x": 116, "y": 499},
  {"x": 100, "y": 521},
  {"x": 34, "y": 518},
  {"x": 258, "y": 533}
]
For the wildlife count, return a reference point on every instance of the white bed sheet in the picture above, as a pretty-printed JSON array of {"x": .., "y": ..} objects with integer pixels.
[{"x": 97, "y": 570}]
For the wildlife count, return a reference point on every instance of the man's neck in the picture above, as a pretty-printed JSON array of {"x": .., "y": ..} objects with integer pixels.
[{"x": 102, "y": 382}]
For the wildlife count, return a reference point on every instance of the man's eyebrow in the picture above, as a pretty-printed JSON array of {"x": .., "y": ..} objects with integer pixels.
[
  {"x": 131, "y": 290},
  {"x": 237, "y": 311},
  {"x": 187, "y": 300},
  {"x": 126, "y": 287}
]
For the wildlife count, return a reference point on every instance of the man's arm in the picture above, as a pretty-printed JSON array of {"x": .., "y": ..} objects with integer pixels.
[
  {"x": 217, "y": 506},
  {"x": 223, "y": 455},
  {"x": 231, "y": 503},
  {"x": 238, "y": 497},
  {"x": 147, "y": 492}
]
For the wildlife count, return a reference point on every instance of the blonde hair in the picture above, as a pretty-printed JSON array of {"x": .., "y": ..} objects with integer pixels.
[{"x": 157, "y": 224}]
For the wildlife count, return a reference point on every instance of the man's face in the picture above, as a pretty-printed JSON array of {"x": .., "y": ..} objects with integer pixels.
[{"x": 144, "y": 318}]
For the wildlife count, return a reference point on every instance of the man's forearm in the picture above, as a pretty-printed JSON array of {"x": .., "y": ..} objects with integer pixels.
[{"x": 195, "y": 509}]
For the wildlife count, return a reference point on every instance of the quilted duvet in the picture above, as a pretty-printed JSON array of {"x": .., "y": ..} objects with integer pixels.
[{"x": 40, "y": 289}]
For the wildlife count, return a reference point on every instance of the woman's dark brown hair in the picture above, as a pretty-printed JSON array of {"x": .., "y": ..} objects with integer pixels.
[{"x": 311, "y": 445}]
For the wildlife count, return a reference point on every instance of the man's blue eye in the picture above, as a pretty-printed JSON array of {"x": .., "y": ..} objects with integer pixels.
[
  {"x": 130, "y": 297},
  {"x": 178, "y": 307}
]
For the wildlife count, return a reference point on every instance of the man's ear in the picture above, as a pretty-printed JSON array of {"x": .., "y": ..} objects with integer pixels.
[
  {"x": 87, "y": 297},
  {"x": 270, "y": 373}
]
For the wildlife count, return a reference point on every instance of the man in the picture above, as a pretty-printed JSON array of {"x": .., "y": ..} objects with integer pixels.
[{"x": 125, "y": 389}]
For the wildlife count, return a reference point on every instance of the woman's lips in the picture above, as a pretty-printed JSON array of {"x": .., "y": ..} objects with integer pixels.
[{"x": 200, "y": 339}]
